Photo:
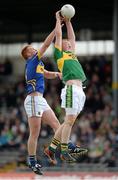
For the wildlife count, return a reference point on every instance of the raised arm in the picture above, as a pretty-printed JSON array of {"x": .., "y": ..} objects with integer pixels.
[
  {"x": 52, "y": 75},
  {"x": 70, "y": 33},
  {"x": 58, "y": 32},
  {"x": 47, "y": 42}
]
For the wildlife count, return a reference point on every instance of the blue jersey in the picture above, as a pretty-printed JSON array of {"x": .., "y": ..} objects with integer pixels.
[{"x": 34, "y": 74}]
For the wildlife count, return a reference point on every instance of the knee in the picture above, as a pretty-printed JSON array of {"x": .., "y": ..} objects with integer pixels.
[
  {"x": 34, "y": 134},
  {"x": 70, "y": 121},
  {"x": 55, "y": 125}
]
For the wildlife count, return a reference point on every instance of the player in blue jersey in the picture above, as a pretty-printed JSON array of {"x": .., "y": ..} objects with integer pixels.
[{"x": 35, "y": 104}]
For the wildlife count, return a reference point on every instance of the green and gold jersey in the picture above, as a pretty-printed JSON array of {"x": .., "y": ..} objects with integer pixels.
[{"x": 69, "y": 65}]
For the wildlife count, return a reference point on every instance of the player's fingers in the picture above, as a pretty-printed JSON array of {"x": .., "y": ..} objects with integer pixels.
[{"x": 58, "y": 14}]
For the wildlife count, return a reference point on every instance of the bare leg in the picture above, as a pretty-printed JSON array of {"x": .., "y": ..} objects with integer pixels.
[
  {"x": 49, "y": 118},
  {"x": 34, "y": 127},
  {"x": 66, "y": 129}
]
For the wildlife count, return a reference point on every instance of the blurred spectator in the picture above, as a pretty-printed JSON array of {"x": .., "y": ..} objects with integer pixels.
[
  {"x": 8, "y": 69},
  {"x": 1, "y": 69}
]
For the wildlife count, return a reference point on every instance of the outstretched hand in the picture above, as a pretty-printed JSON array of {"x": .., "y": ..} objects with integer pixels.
[
  {"x": 65, "y": 19},
  {"x": 58, "y": 15}
]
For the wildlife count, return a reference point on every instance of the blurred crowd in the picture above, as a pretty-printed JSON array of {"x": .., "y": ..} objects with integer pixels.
[
  {"x": 96, "y": 127},
  {"x": 6, "y": 67}
]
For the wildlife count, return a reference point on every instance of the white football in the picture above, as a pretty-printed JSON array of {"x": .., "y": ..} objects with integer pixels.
[{"x": 68, "y": 11}]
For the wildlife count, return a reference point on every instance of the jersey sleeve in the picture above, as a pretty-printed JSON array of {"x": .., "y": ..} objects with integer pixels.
[
  {"x": 57, "y": 53},
  {"x": 39, "y": 55}
]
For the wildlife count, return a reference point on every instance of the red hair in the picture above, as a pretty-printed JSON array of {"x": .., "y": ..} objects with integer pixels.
[{"x": 23, "y": 52}]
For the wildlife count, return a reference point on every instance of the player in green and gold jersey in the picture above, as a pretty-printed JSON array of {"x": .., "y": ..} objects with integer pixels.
[
  {"x": 72, "y": 95},
  {"x": 68, "y": 63}
]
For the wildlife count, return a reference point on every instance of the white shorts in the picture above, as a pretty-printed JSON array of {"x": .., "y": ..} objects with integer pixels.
[
  {"x": 35, "y": 106},
  {"x": 73, "y": 99}
]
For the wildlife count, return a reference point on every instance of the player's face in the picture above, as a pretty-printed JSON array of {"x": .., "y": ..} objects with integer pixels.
[
  {"x": 66, "y": 45},
  {"x": 30, "y": 51}
]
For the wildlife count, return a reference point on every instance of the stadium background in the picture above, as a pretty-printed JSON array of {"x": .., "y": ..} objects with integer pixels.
[{"x": 96, "y": 26}]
